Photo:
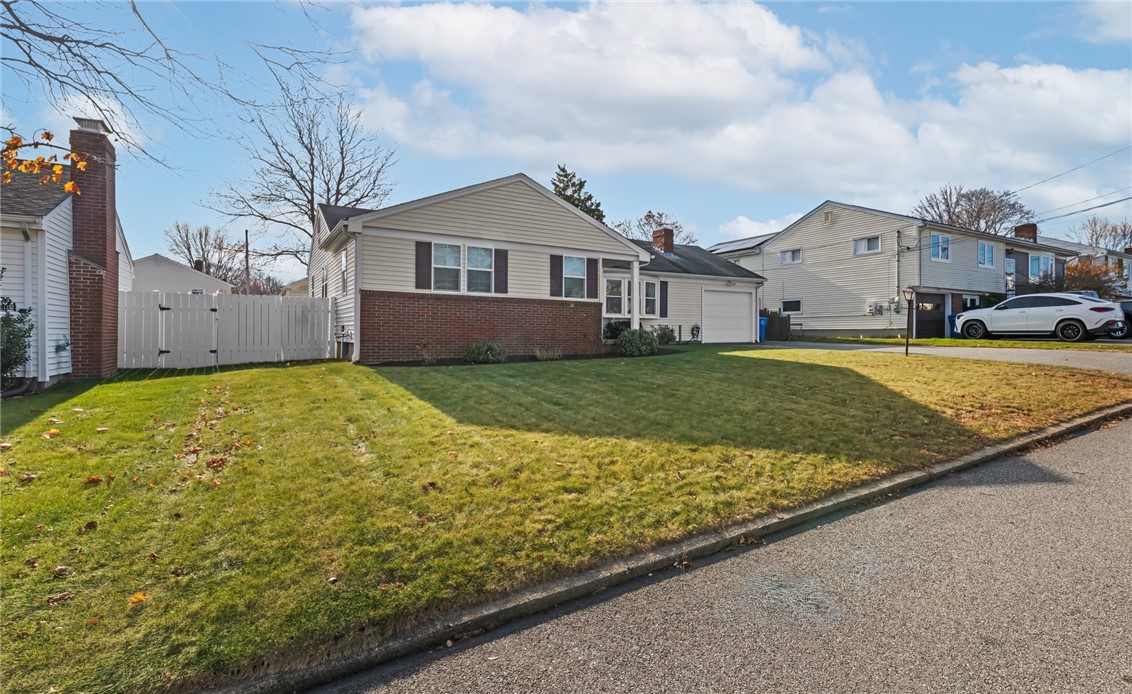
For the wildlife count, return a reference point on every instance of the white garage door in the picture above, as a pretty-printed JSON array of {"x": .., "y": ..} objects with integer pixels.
[{"x": 728, "y": 316}]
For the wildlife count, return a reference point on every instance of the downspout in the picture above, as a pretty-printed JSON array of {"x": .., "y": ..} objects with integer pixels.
[
  {"x": 41, "y": 305},
  {"x": 355, "y": 319}
]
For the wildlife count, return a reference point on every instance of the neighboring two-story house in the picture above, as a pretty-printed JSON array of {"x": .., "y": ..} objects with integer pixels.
[
  {"x": 1118, "y": 262},
  {"x": 841, "y": 269}
]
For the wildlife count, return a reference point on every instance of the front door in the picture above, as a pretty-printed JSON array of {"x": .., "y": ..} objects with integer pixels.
[{"x": 931, "y": 320}]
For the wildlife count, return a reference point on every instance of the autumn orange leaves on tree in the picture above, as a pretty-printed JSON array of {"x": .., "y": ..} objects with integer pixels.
[{"x": 47, "y": 168}]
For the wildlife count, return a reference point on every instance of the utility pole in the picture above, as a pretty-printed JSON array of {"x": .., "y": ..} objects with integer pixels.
[{"x": 247, "y": 265}]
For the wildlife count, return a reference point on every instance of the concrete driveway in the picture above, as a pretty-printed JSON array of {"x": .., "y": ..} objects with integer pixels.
[
  {"x": 1116, "y": 362},
  {"x": 1010, "y": 577}
]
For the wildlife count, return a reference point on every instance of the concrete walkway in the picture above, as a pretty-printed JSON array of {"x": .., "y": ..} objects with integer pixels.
[
  {"x": 1010, "y": 577},
  {"x": 1115, "y": 362}
]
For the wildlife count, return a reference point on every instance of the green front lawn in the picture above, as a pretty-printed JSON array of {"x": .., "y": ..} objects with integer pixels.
[
  {"x": 279, "y": 514},
  {"x": 1125, "y": 346}
]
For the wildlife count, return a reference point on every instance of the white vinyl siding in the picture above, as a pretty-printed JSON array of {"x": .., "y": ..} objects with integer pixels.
[
  {"x": 19, "y": 259},
  {"x": 962, "y": 274},
  {"x": 685, "y": 300},
  {"x": 125, "y": 264},
  {"x": 510, "y": 213},
  {"x": 57, "y": 225},
  {"x": 327, "y": 266},
  {"x": 156, "y": 273}
]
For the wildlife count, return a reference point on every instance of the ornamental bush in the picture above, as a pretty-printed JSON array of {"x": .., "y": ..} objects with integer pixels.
[
  {"x": 636, "y": 343},
  {"x": 665, "y": 335},
  {"x": 485, "y": 352},
  {"x": 15, "y": 339}
]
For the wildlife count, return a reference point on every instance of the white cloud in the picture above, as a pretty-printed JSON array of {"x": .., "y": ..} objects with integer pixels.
[
  {"x": 742, "y": 227},
  {"x": 1105, "y": 22},
  {"x": 728, "y": 94}
]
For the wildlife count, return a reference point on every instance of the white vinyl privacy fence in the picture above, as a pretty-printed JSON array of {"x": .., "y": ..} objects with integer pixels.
[{"x": 184, "y": 331}]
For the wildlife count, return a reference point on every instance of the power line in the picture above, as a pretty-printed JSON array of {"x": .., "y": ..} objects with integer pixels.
[
  {"x": 1045, "y": 180},
  {"x": 1087, "y": 209},
  {"x": 1081, "y": 202}
]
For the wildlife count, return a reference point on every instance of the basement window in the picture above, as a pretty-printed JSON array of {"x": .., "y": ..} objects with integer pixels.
[{"x": 790, "y": 307}]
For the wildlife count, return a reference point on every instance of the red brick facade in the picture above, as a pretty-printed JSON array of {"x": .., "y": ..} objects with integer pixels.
[
  {"x": 94, "y": 264},
  {"x": 394, "y": 324}
]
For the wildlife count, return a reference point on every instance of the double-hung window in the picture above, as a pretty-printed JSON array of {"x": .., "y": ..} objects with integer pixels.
[
  {"x": 649, "y": 298},
  {"x": 941, "y": 248},
  {"x": 480, "y": 269},
  {"x": 1040, "y": 265},
  {"x": 790, "y": 257},
  {"x": 446, "y": 267},
  {"x": 573, "y": 277},
  {"x": 986, "y": 254},
  {"x": 869, "y": 244},
  {"x": 615, "y": 303}
]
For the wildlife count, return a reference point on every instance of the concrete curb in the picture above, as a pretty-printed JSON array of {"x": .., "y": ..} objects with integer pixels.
[{"x": 541, "y": 597}]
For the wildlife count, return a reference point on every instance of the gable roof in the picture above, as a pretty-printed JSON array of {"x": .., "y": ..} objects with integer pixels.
[
  {"x": 361, "y": 216},
  {"x": 693, "y": 260},
  {"x": 906, "y": 219},
  {"x": 743, "y": 244},
  {"x": 158, "y": 256},
  {"x": 1081, "y": 248},
  {"x": 24, "y": 196}
]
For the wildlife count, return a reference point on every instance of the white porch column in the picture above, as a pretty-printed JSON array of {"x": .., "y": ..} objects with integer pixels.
[{"x": 634, "y": 300}]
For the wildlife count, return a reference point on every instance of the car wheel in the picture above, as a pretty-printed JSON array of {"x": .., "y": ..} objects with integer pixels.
[
  {"x": 1122, "y": 333},
  {"x": 1071, "y": 331},
  {"x": 975, "y": 330}
]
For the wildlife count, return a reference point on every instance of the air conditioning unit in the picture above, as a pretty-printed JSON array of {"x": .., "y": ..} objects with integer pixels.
[{"x": 874, "y": 309}]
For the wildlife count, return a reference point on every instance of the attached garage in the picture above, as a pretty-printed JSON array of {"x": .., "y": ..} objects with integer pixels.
[
  {"x": 729, "y": 316},
  {"x": 931, "y": 318}
]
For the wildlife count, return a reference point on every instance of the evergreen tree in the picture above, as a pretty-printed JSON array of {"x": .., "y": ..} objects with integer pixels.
[{"x": 572, "y": 189}]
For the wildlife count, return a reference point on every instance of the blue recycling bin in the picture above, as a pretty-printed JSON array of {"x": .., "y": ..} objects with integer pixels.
[
  {"x": 952, "y": 331},
  {"x": 762, "y": 328}
]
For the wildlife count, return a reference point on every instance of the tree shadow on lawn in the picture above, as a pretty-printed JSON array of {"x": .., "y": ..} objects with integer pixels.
[{"x": 698, "y": 399}]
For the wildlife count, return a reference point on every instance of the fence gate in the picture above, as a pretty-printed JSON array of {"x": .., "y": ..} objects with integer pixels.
[{"x": 186, "y": 331}]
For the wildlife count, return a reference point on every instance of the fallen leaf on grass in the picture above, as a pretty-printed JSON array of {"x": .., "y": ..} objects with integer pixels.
[
  {"x": 102, "y": 430},
  {"x": 94, "y": 620},
  {"x": 92, "y": 525},
  {"x": 62, "y": 571},
  {"x": 50, "y": 434},
  {"x": 4, "y": 445},
  {"x": 77, "y": 409},
  {"x": 138, "y": 598},
  {"x": 28, "y": 477},
  {"x": 56, "y": 599},
  {"x": 55, "y": 420},
  {"x": 93, "y": 479},
  {"x": 154, "y": 556}
]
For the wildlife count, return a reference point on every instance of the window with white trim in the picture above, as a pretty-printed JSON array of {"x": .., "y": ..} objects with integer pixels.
[
  {"x": 790, "y": 257},
  {"x": 573, "y": 277},
  {"x": 867, "y": 245},
  {"x": 481, "y": 268},
  {"x": 789, "y": 307},
  {"x": 1040, "y": 265},
  {"x": 649, "y": 294},
  {"x": 615, "y": 297},
  {"x": 446, "y": 267},
  {"x": 941, "y": 248},
  {"x": 986, "y": 254}
]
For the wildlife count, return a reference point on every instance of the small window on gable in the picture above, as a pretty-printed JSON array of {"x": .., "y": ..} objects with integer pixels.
[
  {"x": 791, "y": 306},
  {"x": 480, "y": 269},
  {"x": 941, "y": 248},
  {"x": 573, "y": 277},
  {"x": 869, "y": 244},
  {"x": 446, "y": 267},
  {"x": 986, "y": 254},
  {"x": 790, "y": 257}
]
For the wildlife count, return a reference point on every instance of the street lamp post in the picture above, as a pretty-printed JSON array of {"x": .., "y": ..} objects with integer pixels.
[{"x": 909, "y": 296}]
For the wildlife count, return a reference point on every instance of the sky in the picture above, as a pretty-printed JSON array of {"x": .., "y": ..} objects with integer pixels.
[{"x": 733, "y": 118}]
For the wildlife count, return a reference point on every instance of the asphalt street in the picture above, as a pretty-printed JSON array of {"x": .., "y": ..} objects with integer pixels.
[
  {"x": 1116, "y": 362},
  {"x": 1012, "y": 577}
]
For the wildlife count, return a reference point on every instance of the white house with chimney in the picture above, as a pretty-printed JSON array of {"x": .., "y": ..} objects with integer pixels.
[{"x": 156, "y": 273}]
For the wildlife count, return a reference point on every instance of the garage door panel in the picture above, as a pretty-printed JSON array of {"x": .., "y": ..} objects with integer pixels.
[{"x": 728, "y": 316}]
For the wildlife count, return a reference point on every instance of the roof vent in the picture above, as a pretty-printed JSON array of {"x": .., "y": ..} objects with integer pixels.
[{"x": 827, "y": 216}]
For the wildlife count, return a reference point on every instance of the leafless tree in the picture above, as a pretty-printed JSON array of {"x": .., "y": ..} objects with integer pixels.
[
  {"x": 123, "y": 75},
  {"x": 221, "y": 256},
  {"x": 1104, "y": 233},
  {"x": 314, "y": 151},
  {"x": 980, "y": 209},
  {"x": 642, "y": 228}
]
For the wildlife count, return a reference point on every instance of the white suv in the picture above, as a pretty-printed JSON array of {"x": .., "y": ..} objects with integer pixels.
[{"x": 1070, "y": 317}]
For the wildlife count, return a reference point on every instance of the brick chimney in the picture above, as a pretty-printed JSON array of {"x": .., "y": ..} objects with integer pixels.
[
  {"x": 662, "y": 239},
  {"x": 1128, "y": 249},
  {"x": 198, "y": 265},
  {"x": 1028, "y": 231},
  {"x": 93, "y": 261}
]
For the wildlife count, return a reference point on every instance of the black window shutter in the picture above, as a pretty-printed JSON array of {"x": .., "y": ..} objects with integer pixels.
[
  {"x": 591, "y": 278},
  {"x": 663, "y": 299},
  {"x": 424, "y": 265},
  {"x": 556, "y": 275},
  {"x": 500, "y": 271}
]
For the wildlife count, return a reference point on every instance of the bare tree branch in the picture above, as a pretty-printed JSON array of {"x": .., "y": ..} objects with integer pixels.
[
  {"x": 642, "y": 228},
  {"x": 980, "y": 209}
]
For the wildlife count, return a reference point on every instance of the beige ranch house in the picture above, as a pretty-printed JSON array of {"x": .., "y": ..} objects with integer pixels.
[{"x": 509, "y": 261}]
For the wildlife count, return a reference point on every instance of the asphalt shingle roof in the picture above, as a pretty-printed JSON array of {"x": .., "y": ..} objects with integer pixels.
[
  {"x": 336, "y": 213},
  {"x": 743, "y": 244},
  {"x": 25, "y": 196},
  {"x": 693, "y": 260}
]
